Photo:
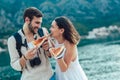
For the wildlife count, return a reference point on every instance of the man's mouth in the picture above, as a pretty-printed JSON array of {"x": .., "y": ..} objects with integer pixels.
[{"x": 36, "y": 28}]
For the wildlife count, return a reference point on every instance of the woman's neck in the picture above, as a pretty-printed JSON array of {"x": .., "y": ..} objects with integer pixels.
[{"x": 61, "y": 40}]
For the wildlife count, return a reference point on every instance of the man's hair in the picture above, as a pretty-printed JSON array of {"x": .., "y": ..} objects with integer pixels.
[{"x": 31, "y": 12}]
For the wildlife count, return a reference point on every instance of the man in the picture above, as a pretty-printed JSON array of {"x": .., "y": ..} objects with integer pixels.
[{"x": 33, "y": 63}]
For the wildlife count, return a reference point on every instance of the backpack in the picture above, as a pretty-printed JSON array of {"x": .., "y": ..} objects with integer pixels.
[{"x": 19, "y": 43}]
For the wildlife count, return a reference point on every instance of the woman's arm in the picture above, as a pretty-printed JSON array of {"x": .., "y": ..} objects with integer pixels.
[{"x": 69, "y": 56}]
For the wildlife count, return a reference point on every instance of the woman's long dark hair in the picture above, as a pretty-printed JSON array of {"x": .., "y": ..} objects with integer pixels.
[{"x": 70, "y": 32}]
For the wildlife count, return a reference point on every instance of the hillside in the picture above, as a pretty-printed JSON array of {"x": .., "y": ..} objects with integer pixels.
[{"x": 86, "y": 14}]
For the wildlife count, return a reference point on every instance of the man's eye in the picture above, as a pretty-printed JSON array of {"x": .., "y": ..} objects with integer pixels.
[{"x": 37, "y": 22}]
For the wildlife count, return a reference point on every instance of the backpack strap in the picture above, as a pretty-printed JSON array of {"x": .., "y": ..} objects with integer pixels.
[
  {"x": 18, "y": 43},
  {"x": 40, "y": 32}
]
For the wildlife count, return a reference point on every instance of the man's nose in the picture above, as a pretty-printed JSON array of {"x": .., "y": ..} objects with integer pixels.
[
  {"x": 50, "y": 29},
  {"x": 39, "y": 26}
]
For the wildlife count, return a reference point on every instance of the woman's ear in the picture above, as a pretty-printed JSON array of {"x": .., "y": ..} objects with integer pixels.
[
  {"x": 27, "y": 20},
  {"x": 62, "y": 30}
]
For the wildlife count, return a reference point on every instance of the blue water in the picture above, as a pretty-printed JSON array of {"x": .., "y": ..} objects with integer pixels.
[{"x": 99, "y": 61}]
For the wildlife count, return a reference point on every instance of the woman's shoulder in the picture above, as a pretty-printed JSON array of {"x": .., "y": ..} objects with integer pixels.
[
  {"x": 69, "y": 45},
  {"x": 70, "y": 48}
]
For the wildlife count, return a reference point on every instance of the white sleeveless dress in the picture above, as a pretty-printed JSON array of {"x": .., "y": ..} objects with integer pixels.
[{"x": 74, "y": 72}]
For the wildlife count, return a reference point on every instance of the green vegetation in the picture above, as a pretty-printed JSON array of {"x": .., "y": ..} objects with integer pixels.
[{"x": 85, "y": 16}]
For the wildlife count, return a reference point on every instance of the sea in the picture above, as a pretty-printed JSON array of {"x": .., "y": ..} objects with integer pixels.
[{"x": 100, "y": 61}]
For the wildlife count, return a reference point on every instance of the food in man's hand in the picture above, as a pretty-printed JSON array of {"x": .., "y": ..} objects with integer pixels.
[{"x": 37, "y": 43}]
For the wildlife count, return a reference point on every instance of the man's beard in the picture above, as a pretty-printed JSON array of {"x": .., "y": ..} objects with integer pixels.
[{"x": 31, "y": 28}]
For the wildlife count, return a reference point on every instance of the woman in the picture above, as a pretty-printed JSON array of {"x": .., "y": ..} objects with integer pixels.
[{"x": 67, "y": 66}]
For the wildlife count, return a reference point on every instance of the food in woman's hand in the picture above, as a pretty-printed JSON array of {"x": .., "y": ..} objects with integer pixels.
[{"x": 56, "y": 51}]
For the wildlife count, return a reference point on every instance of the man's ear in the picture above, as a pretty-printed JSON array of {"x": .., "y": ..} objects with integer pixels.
[{"x": 27, "y": 20}]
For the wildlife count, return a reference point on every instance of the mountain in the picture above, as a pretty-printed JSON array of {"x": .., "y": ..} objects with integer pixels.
[{"x": 85, "y": 14}]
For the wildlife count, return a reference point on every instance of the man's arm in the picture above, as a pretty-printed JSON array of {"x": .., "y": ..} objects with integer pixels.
[
  {"x": 18, "y": 63},
  {"x": 14, "y": 56}
]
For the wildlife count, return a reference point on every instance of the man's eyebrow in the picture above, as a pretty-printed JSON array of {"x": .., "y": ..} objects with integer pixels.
[{"x": 38, "y": 22}]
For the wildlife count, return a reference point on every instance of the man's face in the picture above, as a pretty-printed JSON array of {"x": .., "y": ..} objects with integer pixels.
[{"x": 35, "y": 24}]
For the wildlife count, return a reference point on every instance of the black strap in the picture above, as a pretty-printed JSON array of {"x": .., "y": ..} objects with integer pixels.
[
  {"x": 18, "y": 43},
  {"x": 40, "y": 32}
]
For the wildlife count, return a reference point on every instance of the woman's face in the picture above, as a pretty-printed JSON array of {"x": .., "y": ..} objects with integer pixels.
[{"x": 55, "y": 31}]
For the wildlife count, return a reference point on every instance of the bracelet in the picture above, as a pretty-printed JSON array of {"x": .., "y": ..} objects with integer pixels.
[
  {"x": 24, "y": 57},
  {"x": 48, "y": 49},
  {"x": 60, "y": 57}
]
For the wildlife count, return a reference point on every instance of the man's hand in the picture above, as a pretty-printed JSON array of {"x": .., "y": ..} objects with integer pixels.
[
  {"x": 45, "y": 45},
  {"x": 30, "y": 53}
]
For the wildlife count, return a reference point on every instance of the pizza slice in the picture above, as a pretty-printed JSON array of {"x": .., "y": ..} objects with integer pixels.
[
  {"x": 56, "y": 51},
  {"x": 37, "y": 43}
]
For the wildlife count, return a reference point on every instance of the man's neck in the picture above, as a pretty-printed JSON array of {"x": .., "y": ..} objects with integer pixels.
[{"x": 27, "y": 31}]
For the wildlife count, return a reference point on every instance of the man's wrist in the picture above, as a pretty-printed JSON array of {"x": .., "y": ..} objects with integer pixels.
[
  {"x": 48, "y": 49},
  {"x": 25, "y": 57}
]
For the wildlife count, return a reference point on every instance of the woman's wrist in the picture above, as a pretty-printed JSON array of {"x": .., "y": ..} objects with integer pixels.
[{"x": 60, "y": 57}]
